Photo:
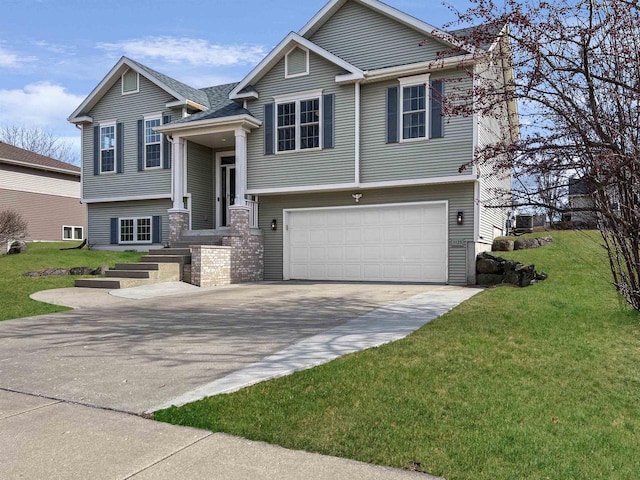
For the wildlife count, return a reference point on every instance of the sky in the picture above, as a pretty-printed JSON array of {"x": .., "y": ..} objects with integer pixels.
[{"x": 54, "y": 52}]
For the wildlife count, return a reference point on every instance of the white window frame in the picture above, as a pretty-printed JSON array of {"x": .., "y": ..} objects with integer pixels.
[
  {"x": 286, "y": 63},
  {"x": 150, "y": 118},
  {"x": 115, "y": 146},
  {"x": 414, "y": 81},
  {"x": 135, "y": 231},
  {"x": 297, "y": 98},
  {"x": 137, "y": 83},
  {"x": 73, "y": 228}
]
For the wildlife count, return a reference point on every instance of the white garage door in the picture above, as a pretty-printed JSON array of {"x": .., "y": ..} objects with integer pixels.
[{"x": 399, "y": 242}]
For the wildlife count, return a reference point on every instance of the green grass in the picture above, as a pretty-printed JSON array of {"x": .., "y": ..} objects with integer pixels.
[
  {"x": 535, "y": 383},
  {"x": 15, "y": 289}
]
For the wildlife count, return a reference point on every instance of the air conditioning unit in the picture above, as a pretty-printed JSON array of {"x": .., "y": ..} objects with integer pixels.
[{"x": 524, "y": 223}]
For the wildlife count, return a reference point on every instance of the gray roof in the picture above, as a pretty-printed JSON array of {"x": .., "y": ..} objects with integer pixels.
[
  {"x": 482, "y": 36},
  {"x": 219, "y": 105},
  {"x": 183, "y": 89}
]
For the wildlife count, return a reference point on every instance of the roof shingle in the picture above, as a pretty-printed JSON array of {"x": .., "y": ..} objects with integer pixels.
[{"x": 12, "y": 153}]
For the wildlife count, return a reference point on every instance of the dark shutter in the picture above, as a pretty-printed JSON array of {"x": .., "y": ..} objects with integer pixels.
[
  {"x": 140, "y": 145},
  {"x": 268, "y": 129},
  {"x": 96, "y": 150},
  {"x": 120, "y": 147},
  {"x": 437, "y": 119},
  {"x": 114, "y": 231},
  {"x": 156, "y": 229},
  {"x": 166, "y": 145},
  {"x": 392, "y": 114},
  {"x": 327, "y": 120}
]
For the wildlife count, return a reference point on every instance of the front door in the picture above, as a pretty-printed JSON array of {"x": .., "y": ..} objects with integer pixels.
[{"x": 227, "y": 188}]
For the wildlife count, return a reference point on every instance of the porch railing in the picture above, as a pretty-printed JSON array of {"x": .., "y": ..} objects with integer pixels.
[{"x": 252, "y": 203}]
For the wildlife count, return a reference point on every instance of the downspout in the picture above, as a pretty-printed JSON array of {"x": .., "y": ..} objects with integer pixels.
[{"x": 357, "y": 134}]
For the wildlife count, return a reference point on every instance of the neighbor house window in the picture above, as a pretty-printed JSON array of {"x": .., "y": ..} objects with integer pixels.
[
  {"x": 130, "y": 82},
  {"x": 72, "y": 233},
  {"x": 152, "y": 143},
  {"x": 298, "y": 122},
  {"x": 414, "y": 100},
  {"x": 135, "y": 230},
  {"x": 107, "y": 148}
]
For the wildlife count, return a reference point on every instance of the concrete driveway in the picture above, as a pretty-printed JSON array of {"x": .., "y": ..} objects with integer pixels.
[{"x": 136, "y": 355}]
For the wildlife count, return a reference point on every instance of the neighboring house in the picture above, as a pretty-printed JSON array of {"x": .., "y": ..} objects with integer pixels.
[
  {"x": 581, "y": 209},
  {"x": 335, "y": 142},
  {"x": 46, "y": 192}
]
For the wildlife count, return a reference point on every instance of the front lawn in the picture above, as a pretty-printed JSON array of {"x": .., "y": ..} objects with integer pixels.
[
  {"x": 535, "y": 383},
  {"x": 15, "y": 289}
]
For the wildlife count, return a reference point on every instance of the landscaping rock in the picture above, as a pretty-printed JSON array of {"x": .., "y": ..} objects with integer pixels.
[
  {"x": 488, "y": 266},
  {"x": 81, "y": 271},
  {"x": 489, "y": 279},
  {"x": 55, "y": 272},
  {"x": 18, "y": 246},
  {"x": 491, "y": 270},
  {"x": 502, "y": 245},
  {"x": 526, "y": 243},
  {"x": 32, "y": 274},
  {"x": 100, "y": 270}
]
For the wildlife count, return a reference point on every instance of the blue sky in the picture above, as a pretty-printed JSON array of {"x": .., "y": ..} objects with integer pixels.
[{"x": 54, "y": 52}]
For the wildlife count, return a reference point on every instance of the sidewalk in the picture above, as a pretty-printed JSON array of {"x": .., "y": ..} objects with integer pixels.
[{"x": 48, "y": 439}]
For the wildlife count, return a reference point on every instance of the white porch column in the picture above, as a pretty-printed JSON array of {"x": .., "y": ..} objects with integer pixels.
[
  {"x": 241, "y": 166},
  {"x": 178, "y": 174}
]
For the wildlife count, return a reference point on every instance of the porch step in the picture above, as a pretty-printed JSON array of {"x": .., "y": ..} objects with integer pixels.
[
  {"x": 181, "y": 259},
  {"x": 110, "y": 283},
  {"x": 127, "y": 275},
  {"x": 186, "y": 240},
  {"x": 170, "y": 251}
]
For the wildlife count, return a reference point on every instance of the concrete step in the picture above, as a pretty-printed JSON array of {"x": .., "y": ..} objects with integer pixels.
[
  {"x": 170, "y": 251},
  {"x": 185, "y": 241},
  {"x": 110, "y": 283},
  {"x": 181, "y": 259},
  {"x": 137, "y": 266},
  {"x": 128, "y": 273}
]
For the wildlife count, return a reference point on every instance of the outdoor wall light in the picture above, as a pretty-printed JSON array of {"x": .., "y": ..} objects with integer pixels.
[
  {"x": 274, "y": 224},
  {"x": 460, "y": 218}
]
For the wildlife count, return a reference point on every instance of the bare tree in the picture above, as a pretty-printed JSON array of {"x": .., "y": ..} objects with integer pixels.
[
  {"x": 12, "y": 227},
  {"x": 40, "y": 140},
  {"x": 573, "y": 69}
]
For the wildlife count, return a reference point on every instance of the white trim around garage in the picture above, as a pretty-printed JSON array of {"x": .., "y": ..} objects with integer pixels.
[{"x": 287, "y": 212}]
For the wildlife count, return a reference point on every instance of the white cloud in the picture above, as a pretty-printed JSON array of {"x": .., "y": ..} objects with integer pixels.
[
  {"x": 187, "y": 50},
  {"x": 8, "y": 59},
  {"x": 40, "y": 104}
]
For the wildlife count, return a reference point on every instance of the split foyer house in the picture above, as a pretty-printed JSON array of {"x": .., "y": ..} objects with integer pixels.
[
  {"x": 333, "y": 155},
  {"x": 44, "y": 191}
]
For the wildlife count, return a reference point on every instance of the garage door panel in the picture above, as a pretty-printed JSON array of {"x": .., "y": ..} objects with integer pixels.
[{"x": 375, "y": 243}]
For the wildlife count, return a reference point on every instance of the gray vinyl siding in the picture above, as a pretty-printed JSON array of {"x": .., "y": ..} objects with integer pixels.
[
  {"x": 428, "y": 158},
  {"x": 127, "y": 109},
  {"x": 370, "y": 40},
  {"x": 459, "y": 195},
  {"x": 100, "y": 215},
  {"x": 317, "y": 167},
  {"x": 296, "y": 61},
  {"x": 493, "y": 181},
  {"x": 200, "y": 184}
]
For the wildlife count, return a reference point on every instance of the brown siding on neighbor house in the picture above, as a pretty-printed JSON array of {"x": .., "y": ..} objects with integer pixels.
[{"x": 45, "y": 214}]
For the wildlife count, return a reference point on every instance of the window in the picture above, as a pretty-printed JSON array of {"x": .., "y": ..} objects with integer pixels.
[
  {"x": 72, "y": 233},
  {"x": 296, "y": 62},
  {"x": 414, "y": 100},
  {"x": 414, "y": 112},
  {"x": 152, "y": 143},
  {"x": 130, "y": 81},
  {"x": 298, "y": 122},
  {"x": 135, "y": 230},
  {"x": 107, "y": 148}
]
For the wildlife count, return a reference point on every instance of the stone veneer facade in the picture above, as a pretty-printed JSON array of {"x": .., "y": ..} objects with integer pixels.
[
  {"x": 239, "y": 259},
  {"x": 178, "y": 222}
]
